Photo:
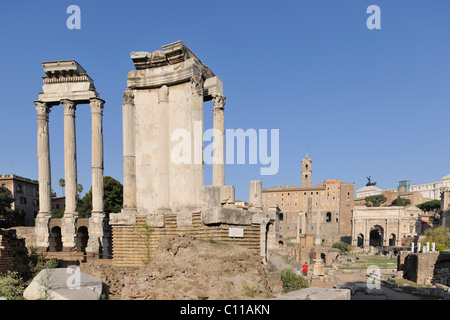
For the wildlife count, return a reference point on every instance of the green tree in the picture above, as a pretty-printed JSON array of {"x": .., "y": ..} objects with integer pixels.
[
  {"x": 401, "y": 202},
  {"x": 440, "y": 236},
  {"x": 342, "y": 246},
  {"x": 375, "y": 201},
  {"x": 113, "y": 198},
  {"x": 62, "y": 184},
  {"x": 429, "y": 206},
  {"x": 9, "y": 218}
]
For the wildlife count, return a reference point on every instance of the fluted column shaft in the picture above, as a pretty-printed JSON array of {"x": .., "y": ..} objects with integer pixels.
[
  {"x": 129, "y": 156},
  {"x": 197, "y": 139},
  {"x": 219, "y": 141},
  {"x": 97, "y": 155},
  {"x": 70, "y": 157},
  {"x": 43, "y": 146},
  {"x": 164, "y": 145}
]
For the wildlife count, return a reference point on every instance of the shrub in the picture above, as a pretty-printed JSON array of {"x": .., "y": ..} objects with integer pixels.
[
  {"x": 342, "y": 246},
  {"x": 292, "y": 281},
  {"x": 440, "y": 236},
  {"x": 12, "y": 286},
  {"x": 250, "y": 290}
]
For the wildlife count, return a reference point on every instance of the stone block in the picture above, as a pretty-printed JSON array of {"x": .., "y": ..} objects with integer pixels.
[
  {"x": 227, "y": 216},
  {"x": 64, "y": 284},
  {"x": 314, "y": 293}
]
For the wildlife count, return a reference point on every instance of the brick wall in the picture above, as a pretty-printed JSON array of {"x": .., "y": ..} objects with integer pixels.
[
  {"x": 131, "y": 247},
  {"x": 12, "y": 252}
]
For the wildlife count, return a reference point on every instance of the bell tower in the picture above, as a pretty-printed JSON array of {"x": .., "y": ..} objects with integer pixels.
[{"x": 306, "y": 172}]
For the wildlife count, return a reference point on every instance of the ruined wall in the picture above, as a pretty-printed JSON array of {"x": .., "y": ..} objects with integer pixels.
[
  {"x": 12, "y": 252},
  {"x": 419, "y": 267},
  {"x": 131, "y": 247},
  {"x": 441, "y": 272}
]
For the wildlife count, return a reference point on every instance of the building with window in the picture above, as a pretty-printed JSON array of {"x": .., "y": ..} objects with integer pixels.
[
  {"x": 324, "y": 209},
  {"x": 26, "y": 195}
]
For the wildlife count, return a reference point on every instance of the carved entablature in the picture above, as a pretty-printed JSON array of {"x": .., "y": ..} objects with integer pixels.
[
  {"x": 172, "y": 65},
  {"x": 66, "y": 80}
]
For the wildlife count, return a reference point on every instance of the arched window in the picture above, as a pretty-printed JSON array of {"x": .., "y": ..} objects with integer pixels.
[
  {"x": 328, "y": 217},
  {"x": 306, "y": 177}
]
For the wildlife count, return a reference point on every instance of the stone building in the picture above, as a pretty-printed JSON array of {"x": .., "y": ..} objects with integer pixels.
[
  {"x": 26, "y": 195},
  {"x": 324, "y": 209},
  {"x": 414, "y": 196},
  {"x": 164, "y": 191},
  {"x": 431, "y": 191},
  {"x": 385, "y": 226}
]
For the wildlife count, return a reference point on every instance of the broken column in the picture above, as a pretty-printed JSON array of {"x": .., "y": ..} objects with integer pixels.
[{"x": 255, "y": 195}]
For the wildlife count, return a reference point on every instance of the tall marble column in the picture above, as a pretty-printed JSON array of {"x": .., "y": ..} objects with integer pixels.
[
  {"x": 97, "y": 219},
  {"x": 219, "y": 141},
  {"x": 70, "y": 156},
  {"x": 164, "y": 149},
  {"x": 129, "y": 157},
  {"x": 97, "y": 155},
  {"x": 197, "y": 128},
  {"x": 45, "y": 189},
  {"x": 68, "y": 223}
]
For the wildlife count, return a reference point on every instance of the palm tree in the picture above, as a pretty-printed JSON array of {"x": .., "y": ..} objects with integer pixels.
[{"x": 62, "y": 184}]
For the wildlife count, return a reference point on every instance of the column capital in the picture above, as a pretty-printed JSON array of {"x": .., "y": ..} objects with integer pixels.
[
  {"x": 69, "y": 107},
  {"x": 219, "y": 101},
  {"x": 128, "y": 96},
  {"x": 197, "y": 86},
  {"x": 163, "y": 94},
  {"x": 97, "y": 105},
  {"x": 43, "y": 109}
]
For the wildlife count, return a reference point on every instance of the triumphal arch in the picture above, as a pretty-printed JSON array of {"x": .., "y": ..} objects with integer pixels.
[
  {"x": 164, "y": 191},
  {"x": 66, "y": 83}
]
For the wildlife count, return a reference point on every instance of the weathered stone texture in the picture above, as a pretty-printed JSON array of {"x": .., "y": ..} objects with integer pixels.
[{"x": 188, "y": 269}]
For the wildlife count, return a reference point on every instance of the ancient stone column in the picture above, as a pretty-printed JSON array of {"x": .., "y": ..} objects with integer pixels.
[
  {"x": 317, "y": 239},
  {"x": 97, "y": 155},
  {"x": 68, "y": 223},
  {"x": 70, "y": 156},
  {"x": 96, "y": 221},
  {"x": 164, "y": 149},
  {"x": 129, "y": 157},
  {"x": 255, "y": 195},
  {"x": 197, "y": 138},
  {"x": 219, "y": 141},
  {"x": 45, "y": 196}
]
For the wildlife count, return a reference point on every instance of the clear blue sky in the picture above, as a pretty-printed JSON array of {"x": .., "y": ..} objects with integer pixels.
[{"x": 361, "y": 102}]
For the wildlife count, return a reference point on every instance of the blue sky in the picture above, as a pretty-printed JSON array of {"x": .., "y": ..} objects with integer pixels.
[{"x": 361, "y": 102}]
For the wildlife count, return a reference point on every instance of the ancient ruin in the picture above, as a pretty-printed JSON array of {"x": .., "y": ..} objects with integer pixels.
[
  {"x": 164, "y": 191},
  {"x": 385, "y": 226},
  {"x": 68, "y": 84}
]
